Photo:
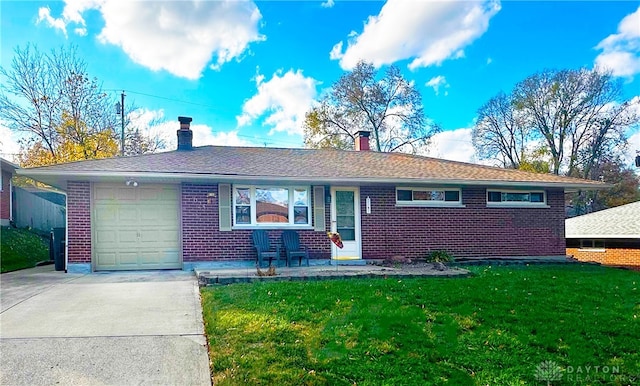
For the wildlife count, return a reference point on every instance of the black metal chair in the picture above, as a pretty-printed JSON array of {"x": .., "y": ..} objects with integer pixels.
[
  {"x": 264, "y": 249},
  {"x": 292, "y": 247}
]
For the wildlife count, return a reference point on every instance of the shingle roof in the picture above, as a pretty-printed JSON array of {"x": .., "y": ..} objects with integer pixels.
[
  {"x": 619, "y": 222},
  {"x": 8, "y": 166},
  {"x": 328, "y": 165}
]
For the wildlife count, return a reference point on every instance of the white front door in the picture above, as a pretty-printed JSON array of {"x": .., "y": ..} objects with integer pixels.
[{"x": 345, "y": 219}]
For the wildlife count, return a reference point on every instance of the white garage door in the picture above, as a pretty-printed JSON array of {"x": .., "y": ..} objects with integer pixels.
[{"x": 135, "y": 227}]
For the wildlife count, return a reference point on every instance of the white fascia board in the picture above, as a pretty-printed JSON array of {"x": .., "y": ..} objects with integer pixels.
[
  {"x": 601, "y": 236},
  {"x": 179, "y": 177}
]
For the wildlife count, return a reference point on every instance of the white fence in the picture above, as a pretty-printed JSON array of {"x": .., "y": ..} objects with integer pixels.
[{"x": 33, "y": 211}]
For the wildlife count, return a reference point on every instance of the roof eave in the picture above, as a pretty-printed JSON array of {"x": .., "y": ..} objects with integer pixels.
[
  {"x": 59, "y": 179},
  {"x": 602, "y": 236}
]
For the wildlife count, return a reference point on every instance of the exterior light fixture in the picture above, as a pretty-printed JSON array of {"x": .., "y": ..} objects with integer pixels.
[{"x": 131, "y": 183}]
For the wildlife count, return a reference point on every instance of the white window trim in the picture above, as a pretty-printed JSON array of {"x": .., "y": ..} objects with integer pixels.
[
  {"x": 252, "y": 196},
  {"x": 592, "y": 248},
  {"x": 430, "y": 203},
  {"x": 520, "y": 204}
]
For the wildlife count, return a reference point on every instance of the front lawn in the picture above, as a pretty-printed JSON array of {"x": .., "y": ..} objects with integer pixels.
[
  {"x": 499, "y": 327},
  {"x": 21, "y": 248}
]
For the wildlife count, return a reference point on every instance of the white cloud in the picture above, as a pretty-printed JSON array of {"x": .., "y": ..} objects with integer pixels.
[
  {"x": 328, "y": 4},
  {"x": 432, "y": 31},
  {"x": 454, "y": 145},
  {"x": 621, "y": 51},
  {"x": 489, "y": 61},
  {"x": 632, "y": 150},
  {"x": 44, "y": 15},
  {"x": 181, "y": 37},
  {"x": 153, "y": 123},
  {"x": 283, "y": 102},
  {"x": 336, "y": 52},
  {"x": 9, "y": 146},
  {"x": 436, "y": 83}
]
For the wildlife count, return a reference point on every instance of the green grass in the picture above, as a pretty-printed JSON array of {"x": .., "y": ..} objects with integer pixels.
[
  {"x": 21, "y": 248},
  {"x": 490, "y": 329}
]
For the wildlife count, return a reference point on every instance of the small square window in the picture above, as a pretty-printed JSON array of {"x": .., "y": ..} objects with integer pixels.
[
  {"x": 537, "y": 197},
  {"x": 404, "y": 195},
  {"x": 452, "y": 195},
  {"x": 495, "y": 197}
]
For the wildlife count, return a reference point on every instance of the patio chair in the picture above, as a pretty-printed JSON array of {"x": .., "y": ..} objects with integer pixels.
[
  {"x": 264, "y": 249},
  {"x": 292, "y": 247}
]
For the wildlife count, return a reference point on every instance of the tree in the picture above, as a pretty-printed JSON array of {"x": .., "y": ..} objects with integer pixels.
[
  {"x": 569, "y": 122},
  {"x": 625, "y": 181},
  {"x": 136, "y": 141},
  {"x": 64, "y": 113},
  {"x": 389, "y": 107},
  {"x": 501, "y": 132},
  {"x": 579, "y": 111}
]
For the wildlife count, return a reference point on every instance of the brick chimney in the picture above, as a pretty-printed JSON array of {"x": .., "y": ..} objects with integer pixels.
[
  {"x": 362, "y": 140},
  {"x": 185, "y": 135}
]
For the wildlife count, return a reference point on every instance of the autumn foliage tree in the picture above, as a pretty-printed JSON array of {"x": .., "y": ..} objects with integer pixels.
[
  {"x": 569, "y": 122},
  {"x": 62, "y": 113},
  {"x": 390, "y": 107},
  {"x": 576, "y": 117}
]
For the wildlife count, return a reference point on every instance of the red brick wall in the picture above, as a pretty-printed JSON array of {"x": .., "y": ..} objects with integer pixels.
[
  {"x": 471, "y": 231},
  {"x": 627, "y": 257},
  {"x": 79, "y": 221},
  {"x": 5, "y": 199},
  {"x": 202, "y": 241},
  {"x": 389, "y": 230}
]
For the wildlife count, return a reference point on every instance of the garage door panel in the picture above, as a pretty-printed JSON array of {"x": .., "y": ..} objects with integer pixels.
[
  {"x": 105, "y": 213},
  {"x": 160, "y": 236},
  {"x": 104, "y": 193},
  {"x": 126, "y": 194},
  {"x": 157, "y": 212},
  {"x": 128, "y": 237},
  {"x": 136, "y": 228},
  {"x": 127, "y": 214},
  {"x": 106, "y": 259},
  {"x": 106, "y": 237},
  {"x": 128, "y": 258}
]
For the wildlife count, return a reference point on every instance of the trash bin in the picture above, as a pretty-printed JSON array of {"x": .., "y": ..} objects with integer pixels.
[{"x": 56, "y": 247}]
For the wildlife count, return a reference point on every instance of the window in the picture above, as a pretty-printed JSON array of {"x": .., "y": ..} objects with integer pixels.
[
  {"x": 427, "y": 197},
  {"x": 592, "y": 244},
  {"x": 271, "y": 205},
  {"x": 516, "y": 198}
]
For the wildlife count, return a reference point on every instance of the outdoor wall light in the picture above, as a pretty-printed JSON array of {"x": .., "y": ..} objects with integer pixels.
[{"x": 131, "y": 183}]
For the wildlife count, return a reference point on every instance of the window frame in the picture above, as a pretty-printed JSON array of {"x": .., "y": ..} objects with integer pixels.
[
  {"x": 429, "y": 203},
  {"x": 254, "y": 224},
  {"x": 517, "y": 204},
  {"x": 590, "y": 245}
]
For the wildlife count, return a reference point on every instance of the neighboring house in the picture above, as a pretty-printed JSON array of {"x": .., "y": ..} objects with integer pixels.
[
  {"x": 198, "y": 206},
  {"x": 7, "y": 170},
  {"x": 610, "y": 236}
]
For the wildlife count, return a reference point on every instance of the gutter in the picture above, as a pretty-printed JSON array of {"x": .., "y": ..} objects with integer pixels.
[{"x": 226, "y": 178}]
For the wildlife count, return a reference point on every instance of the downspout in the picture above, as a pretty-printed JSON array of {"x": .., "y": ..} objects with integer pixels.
[
  {"x": 10, "y": 201},
  {"x": 66, "y": 233}
]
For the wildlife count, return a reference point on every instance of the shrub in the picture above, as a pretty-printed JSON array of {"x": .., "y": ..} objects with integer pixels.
[{"x": 440, "y": 256}]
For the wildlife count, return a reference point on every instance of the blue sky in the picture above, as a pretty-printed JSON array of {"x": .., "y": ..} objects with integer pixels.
[{"x": 248, "y": 71}]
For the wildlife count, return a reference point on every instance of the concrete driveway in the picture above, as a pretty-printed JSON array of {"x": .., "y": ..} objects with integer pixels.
[{"x": 101, "y": 329}]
